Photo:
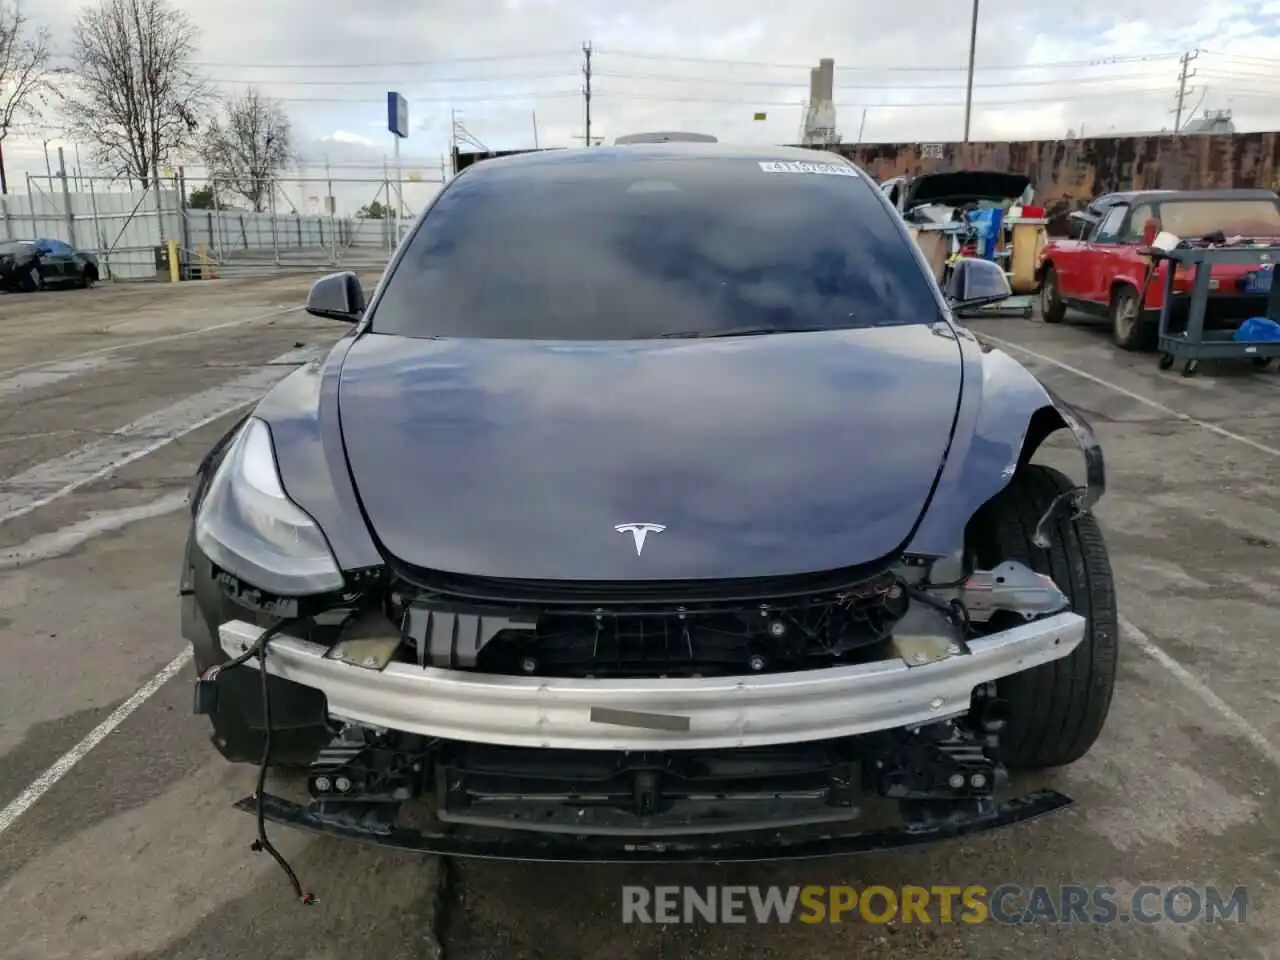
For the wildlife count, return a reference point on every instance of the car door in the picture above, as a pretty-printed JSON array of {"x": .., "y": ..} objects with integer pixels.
[
  {"x": 1098, "y": 253},
  {"x": 1127, "y": 261},
  {"x": 58, "y": 262},
  {"x": 893, "y": 190},
  {"x": 1067, "y": 255}
]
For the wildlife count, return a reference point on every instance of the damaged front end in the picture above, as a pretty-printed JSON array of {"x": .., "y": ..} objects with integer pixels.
[
  {"x": 762, "y": 717},
  {"x": 802, "y": 717}
]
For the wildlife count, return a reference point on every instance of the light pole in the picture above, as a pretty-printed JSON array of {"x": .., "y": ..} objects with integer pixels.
[{"x": 973, "y": 47}]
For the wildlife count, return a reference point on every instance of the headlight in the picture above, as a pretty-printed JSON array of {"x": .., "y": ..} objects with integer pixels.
[{"x": 249, "y": 527}]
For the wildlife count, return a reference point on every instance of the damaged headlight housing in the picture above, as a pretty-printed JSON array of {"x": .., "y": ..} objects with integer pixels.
[{"x": 249, "y": 527}]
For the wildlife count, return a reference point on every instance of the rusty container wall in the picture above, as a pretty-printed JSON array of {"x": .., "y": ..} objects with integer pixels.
[{"x": 1071, "y": 171}]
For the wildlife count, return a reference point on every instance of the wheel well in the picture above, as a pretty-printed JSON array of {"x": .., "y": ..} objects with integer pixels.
[
  {"x": 1045, "y": 422},
  {"x": 1117, "y": 285},
  {"x": 1045, "y": 265}
]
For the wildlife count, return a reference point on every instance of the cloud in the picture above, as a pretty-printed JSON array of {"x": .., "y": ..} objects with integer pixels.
[
  {"x": 510, "y": 71},
  {"x": 342, "y": 136}
]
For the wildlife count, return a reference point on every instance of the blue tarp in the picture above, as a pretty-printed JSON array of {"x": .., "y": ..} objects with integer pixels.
[
  {"x": 988, "y": 223},
  {"x": 1257, "y": 330}
]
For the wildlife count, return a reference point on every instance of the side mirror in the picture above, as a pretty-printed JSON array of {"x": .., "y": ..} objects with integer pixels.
[
  {"x": 976, "y": 283},
  {"x": 337, "y": 296}
]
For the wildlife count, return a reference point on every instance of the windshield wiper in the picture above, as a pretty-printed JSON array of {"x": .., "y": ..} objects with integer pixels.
[{"x": 757, "y": 331}]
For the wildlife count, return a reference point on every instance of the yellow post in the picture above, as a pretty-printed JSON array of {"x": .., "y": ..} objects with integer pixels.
[
  {"x": 1028, "y": 239},
  {"x": 174, "y": 273}
]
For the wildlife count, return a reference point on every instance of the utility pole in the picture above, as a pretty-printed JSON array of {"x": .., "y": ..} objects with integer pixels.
[
  {"x": 1184, "y": 74},
  {"x": 330, "y": 205},
  {"x": 453, "y": 142},
  {"x": 973, "y": 49},
  {"x": 586, "y": 88}
]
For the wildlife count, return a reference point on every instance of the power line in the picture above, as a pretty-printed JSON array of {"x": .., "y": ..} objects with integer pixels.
[
  {"x": 962, "y": 68},
  {"x": 365, "y": 65},
  {"x": 489, "y": 98},
  {"x": 1036, "y": 101},
  {"x": 1237, "y": 75},
  {"x": 362, "y": 81},
  {"x": 1264, "y": 61},
  {"x": 911, "y": 85},
  {"x": 329, "y": 66}
]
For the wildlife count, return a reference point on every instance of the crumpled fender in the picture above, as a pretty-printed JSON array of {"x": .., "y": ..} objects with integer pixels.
[
  {"x": 1005, "y": 414},
  {"x": 302, "y": 412}
]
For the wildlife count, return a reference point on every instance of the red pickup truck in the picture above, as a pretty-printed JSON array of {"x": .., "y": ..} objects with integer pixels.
[{"x": 1105, "y": 273}]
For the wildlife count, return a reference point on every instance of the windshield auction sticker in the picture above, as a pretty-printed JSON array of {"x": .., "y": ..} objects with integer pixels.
[{"x": 804, "y": 166}]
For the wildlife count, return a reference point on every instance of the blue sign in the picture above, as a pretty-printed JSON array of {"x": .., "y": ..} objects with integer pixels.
[{"x": 397, "y": 114}]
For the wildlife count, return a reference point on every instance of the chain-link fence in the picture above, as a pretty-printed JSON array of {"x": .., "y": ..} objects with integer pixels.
[
  {"x": 221, "y": 226},
  {"x": 124, "y": 228}
]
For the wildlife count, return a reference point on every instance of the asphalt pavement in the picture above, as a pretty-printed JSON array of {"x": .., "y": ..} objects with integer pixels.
[{"x": 117, "y": 836}]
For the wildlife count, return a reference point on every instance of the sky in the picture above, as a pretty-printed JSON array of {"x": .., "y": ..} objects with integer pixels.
[{"x": 511, "y": 72}]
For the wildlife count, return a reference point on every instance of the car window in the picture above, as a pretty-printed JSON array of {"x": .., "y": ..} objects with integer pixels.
[
  {"x": 611, "y": 246},
  {"x": 1142, "y": 215},
  {"x": 1198, "y": 218},
  {"x": 1108, "y": 228}
]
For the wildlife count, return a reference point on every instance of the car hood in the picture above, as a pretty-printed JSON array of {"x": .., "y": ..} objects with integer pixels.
[
  {"x": 965, "y": 186},
  {"x": 758, "y": 456}
]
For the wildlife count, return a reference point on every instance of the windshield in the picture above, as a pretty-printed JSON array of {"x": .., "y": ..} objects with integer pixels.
[
  {"x": 612, "y": 246},
  {"x": 1198, "y": 218}
]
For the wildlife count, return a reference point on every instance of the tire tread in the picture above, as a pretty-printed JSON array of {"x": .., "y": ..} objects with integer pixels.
[{"x": 1058, "y": 710}]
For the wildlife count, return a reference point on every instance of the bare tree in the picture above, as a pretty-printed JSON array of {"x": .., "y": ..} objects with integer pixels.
[
  {"x": 250, "y": 146},
  {"x": 24, "y": 72},
  {"x": 137, "y": 99}
]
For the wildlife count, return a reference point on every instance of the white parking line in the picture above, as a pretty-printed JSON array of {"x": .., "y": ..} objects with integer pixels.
[
  {"x": 1198, "y": 687},
  {"x": 46, "y": 546},
  {"x": 48, "y": 366},
  {"x": 1125, "y": 391},
  {"x": 65, "y": 763},
  {"x": 57, "y": 371},
  {"x": 1145, "y": 643},
  {"x": 54, "y": 479}
]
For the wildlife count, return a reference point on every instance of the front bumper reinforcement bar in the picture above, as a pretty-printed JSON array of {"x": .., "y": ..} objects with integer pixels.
[
  {"x": 707, "y": 713},
  {"x": 747, "y": 847}
]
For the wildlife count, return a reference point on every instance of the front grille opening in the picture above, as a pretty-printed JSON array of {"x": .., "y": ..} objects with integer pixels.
[{"x": 724, "y": 639}]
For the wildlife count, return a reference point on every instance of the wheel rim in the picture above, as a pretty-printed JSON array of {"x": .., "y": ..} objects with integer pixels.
[
  {"x": 1126, "y": 317},
  {"x": 1048, "y": 294}
]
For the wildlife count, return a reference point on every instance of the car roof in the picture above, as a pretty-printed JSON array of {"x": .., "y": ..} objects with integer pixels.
[
  {"x": 1243, "y": 193},
  {"x": 669, "y": 150}
]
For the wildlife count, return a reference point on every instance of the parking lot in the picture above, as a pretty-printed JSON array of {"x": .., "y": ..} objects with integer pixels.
[{"x": 117, "y": 836}]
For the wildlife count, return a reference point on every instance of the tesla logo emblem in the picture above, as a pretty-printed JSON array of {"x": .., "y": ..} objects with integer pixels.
[{"x": 639, "y": 531}]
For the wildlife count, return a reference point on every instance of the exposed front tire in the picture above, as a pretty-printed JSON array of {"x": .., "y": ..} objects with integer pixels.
[
  {"x": 1052, "y": 309},
  {"x": 1055, "y": 711},
  {"x": 1129, "y": 329}
]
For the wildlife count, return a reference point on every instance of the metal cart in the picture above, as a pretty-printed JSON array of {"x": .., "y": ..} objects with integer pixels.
[{"x": 1194, "y": 343}]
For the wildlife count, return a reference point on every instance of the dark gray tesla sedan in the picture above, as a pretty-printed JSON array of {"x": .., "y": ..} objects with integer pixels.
[{"x": 658, "y": 506}]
